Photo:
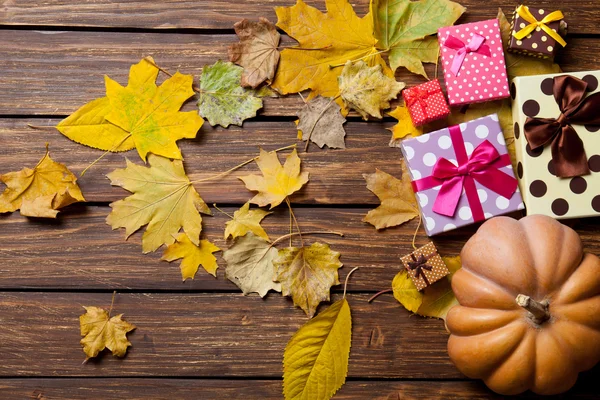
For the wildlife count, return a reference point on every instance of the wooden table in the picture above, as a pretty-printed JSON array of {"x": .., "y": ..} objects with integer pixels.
[{"x": 202, "y": 339}]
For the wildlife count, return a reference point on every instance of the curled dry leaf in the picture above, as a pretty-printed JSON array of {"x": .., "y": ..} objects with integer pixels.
[
  {"x": 246, "y": 220},
  {"x": 326, "y": 42},
  {"x": 140, "y": 115},
  {"x": 321, "y": 122},
  {"x": 366, "y": 89},
  {"x": 100, "y": 331},
  {"x": 192, "y": 255},
  {"x": 315, "y": 361},
  {"x": 163, "y": 198},
  {"x": 404, "y": 127},
  {"x": 404, "y": 28},
  {"x": 41, "y": 191},
  {"x": 307, "y": 273},
  {"x": 222, "y": 100},
  {"x": 257, "y": 51},
  {"x": 398, "y": 202},
  {"x": 250, "y": 265},
  {"x": 277, "y": 182}
]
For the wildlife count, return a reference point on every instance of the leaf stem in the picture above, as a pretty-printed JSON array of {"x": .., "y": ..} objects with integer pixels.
[
  {"x": 103, "y": 155},
  {"x": 357, "y": 59},
  {"x": 43, "y": 158},
  {"x": 287, "y": 200},
  {"x": 376, "y": 295},
  {"x": 149, "y": 61},
  {"x": 112, "y": 302},
  {"x": 240, "y": 165},
  {"x": 303, "y": 48},
  {"x": 312, "y": 129},
  {"x": 42, "y": 128},
  {"x": 279, "y": 239},
  {"x": 415, "y": 234},
  {"x": 347, "y": 278},
  {"x": 222, "y": 212}
]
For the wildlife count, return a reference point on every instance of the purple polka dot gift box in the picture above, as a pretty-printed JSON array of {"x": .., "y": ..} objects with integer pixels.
[
  {"x": 462, "y": 174},
  {"x": 473, "y": 62},
  {"x": 557, "y": 130}
]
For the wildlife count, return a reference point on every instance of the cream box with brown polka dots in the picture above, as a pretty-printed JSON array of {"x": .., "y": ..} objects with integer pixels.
[{"x": 542, "y": 190}]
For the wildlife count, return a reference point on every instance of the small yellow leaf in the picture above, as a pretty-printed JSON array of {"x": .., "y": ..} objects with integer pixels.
[
  {"x": 40, "y": 191},
  {"x": 398, "y": 203},
  {"x": 439, "y": 298},
  {"x": 250, "y": 265},
  {"x": 277, "y": 181},
  {"x": 246, "y": 220},
  {"x": 193, "y": 256},
  {"x": 404, "y": 127},
  {"x": 315, "y": 361},
  {"x": 366, "y": 89},
  {"x": 307, "y": 273},
  {"x": 163, "y": 197},
  {"x": 406, "y": 292},
  {"x": 325, "y": 43},
  {"x": 99, "y": 331}
]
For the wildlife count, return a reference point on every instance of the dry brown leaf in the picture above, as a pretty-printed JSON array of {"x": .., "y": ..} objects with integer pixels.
[{"x": 321, "y": 122}]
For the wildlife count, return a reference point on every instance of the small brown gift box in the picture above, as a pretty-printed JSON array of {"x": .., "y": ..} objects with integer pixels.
[{"x": 425, "y": 266}]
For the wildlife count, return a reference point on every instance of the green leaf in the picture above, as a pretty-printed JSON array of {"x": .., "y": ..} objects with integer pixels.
[
  {"x": 315, "y": 362},
  {"x": 402, "y": 27},
  {"x": 406, "y": 292},
  {"x": 223, "y": 101}
]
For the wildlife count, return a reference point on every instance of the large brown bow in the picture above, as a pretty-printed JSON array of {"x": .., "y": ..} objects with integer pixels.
[{"x": 568, "y": 154}]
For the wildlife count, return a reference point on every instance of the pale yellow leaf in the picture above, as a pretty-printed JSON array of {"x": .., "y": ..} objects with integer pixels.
[
  {"x": 315, "y": 361},
  {"x": 246, "y": 220},
  {"x": 100, "y": 331},
  {"x": 193, "y": 256},
  {"x": 439, "y": 298},
  {"x": 406, "y": 292}
]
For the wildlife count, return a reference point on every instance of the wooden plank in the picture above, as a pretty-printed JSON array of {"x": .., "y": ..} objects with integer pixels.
[
  {"x": 336, "y": 176},
  {"x": 210, "y": 335},
  {"x": 79, "y": 251},
  {"x": 222, "y": 14},
  {"x": 218, "y": 389},
  {"x": 54, "y": 73}
]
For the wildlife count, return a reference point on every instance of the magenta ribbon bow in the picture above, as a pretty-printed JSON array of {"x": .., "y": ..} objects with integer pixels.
[
  {"x": 475, "y": 45},
  {"x": 482, "y": 166}
]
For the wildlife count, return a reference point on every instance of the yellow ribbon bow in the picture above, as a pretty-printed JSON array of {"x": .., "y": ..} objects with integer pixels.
[{"x": 524, "y": 13}]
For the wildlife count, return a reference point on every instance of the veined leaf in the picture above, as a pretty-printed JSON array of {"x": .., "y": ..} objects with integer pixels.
[
  {"x": 246, "y": 220},
  {"x": 192, "y": 255},
  {"x": 99, "y": 331}
]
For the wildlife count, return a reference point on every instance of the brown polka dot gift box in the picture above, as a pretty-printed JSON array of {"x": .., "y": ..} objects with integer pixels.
[
  {"x": 537, "y": 32},
  {"x": 473, "y": 60},
  {"x": 557, "y": 123},
  {"x": 425, "y": 266}
]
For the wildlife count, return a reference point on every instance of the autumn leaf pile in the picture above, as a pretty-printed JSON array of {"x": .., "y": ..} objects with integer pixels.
[{"x": 339, "y": 64}]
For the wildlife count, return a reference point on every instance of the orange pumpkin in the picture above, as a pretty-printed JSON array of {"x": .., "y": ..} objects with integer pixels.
[{"x": 529, "y": 313}]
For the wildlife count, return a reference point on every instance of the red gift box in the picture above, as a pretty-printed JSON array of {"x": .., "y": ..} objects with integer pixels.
[{"x": 426, "y": 102}]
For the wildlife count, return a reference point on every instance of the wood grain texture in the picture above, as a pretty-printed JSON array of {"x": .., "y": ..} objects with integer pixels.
[
  {"x": 336, "y": 176},
  {"x": 54, "y": 73},
  {"x": 79, "y": 251},
  {"x": 212, "y": 389},
  {"x": 222, "y": 14},
  {"x": 210, "y": 335}
]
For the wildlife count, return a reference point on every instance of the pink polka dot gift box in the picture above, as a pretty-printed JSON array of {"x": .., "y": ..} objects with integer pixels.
[
  {"x": 557, "y": 143},
  {"x": 473, "y": 60},
  {"x": 462, "y": 174}
]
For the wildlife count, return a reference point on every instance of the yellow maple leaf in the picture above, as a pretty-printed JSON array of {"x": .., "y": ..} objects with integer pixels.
[
  {"x": 100, "y": 331},
  {"x": 326, "y": 43},
  {"x": 140, "y": 115},
  {"x": 404, "y": 127},
  {"x": 193, "y": 256},
  {"x": 245, "y": 220},
  {"x": 366, "y": 89},
  {"x": 277, "y": 181},
  {"x": 307, "y": 273},
  {"x": 398, "y": 202},
  {"x": 163, "y": 197},
  {"x": 41, "y": 191},
  {"x": 315, "y": 361}
]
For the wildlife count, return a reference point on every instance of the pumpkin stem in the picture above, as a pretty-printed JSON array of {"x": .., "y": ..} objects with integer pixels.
[{"x": 538, "y": 310}]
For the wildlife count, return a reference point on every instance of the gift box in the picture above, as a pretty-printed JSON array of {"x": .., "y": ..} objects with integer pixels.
[
  {"x": 473, "y": 62},
  {"x": 425, "y": 266},
  {"x": 462, "y": 174},
  {"x": 426, "y": 102},
  {"x": 556, "y": 122},
  {"x": 537, "y": 32}
]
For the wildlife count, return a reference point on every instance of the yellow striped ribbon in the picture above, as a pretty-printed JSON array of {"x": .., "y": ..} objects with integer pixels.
[{"x": 524, "y": 13}]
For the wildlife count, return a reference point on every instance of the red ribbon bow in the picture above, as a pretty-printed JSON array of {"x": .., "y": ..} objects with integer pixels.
[
  {"x": 482, "y": 166},
  {"x": 418, "y": 95},
  {"x": 475, "y": 45}
]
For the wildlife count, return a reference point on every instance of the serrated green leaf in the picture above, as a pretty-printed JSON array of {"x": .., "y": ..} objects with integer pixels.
[
  {"x": 315, "y": 362},
  {"x": 223, "y": 101}
]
